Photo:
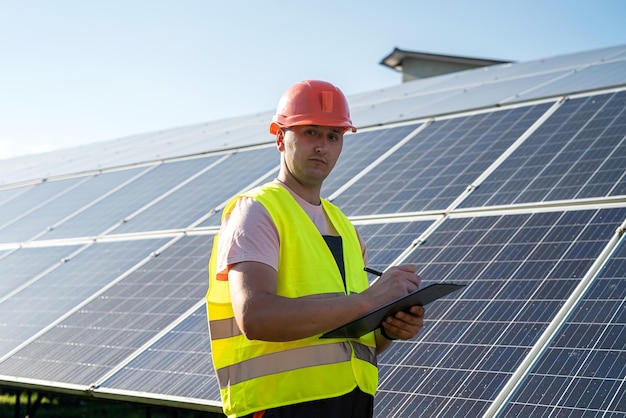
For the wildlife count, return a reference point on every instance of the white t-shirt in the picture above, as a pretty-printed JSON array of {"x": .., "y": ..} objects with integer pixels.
[{"x": 249, "y": 234}]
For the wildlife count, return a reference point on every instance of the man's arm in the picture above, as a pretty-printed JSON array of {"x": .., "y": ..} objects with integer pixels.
[{"x": 263, "y": 315}]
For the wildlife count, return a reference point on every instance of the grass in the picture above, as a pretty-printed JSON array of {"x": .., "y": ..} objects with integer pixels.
[{"x": 58, "y": 406}]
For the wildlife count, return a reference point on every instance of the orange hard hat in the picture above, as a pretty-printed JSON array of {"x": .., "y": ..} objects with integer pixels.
[{"x": 312, "y": 102}]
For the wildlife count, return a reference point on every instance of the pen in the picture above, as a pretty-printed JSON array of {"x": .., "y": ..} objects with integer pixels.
[{"x": 373, "y": 271}]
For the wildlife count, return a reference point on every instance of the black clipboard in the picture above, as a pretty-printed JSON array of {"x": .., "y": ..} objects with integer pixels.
[{"x": 370, "y": 321}]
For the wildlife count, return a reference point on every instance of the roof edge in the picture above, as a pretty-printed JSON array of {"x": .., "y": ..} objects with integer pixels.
[{"x": 397, "y": 56}]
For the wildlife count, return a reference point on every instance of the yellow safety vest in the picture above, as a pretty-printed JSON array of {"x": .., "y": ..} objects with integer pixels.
[{"x": 257, "y": 375}]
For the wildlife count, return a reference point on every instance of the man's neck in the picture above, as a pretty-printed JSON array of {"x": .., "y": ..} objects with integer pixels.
[{"x": 307, "y": 193}]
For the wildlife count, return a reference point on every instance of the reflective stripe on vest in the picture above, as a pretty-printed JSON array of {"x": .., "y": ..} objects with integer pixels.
[
  {"x": 224, "y": 328},
  {"x": 296, "y": 358}
]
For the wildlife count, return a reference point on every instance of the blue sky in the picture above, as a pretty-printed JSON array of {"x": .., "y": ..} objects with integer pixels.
[{"x": 74, "y": 72}]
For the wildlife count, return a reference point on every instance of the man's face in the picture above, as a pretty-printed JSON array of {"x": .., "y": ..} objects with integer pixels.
[{"x": 310, "y": 151}]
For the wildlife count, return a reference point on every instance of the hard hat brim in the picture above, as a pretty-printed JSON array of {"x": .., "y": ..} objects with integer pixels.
[{"x": 275, "y": 126}]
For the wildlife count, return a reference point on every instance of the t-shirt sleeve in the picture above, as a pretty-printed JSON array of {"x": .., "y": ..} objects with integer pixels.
[
  {"x": 247, "y": 234},
  {"x": 363, "y": 246}
]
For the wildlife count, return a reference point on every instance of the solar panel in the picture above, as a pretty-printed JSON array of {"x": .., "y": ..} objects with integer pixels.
[
  {"x": 472, "y": 95},
  {"x": 386, "y": 241},
  {"x": 359, "y": 151},
  {"x": 432, "y": 169},
  {"x": 34, "y": 197},
  {"x": 111, "y": 209},
  {"x": 54, "y": 295},
  {"x": 18, "y": 267},
  {"x": 202, "y": 195},
  {"x": 177, "y": 365},
  {"x": 122, "y": 316},
  {"x": 519, "y": 270},
  {"x": 93, "y": 340},
  {"x": 583, "y": 371},
  {"x": 589, "y": 77},
  {"x": 6, "y": 195},
  {"x": 36, "y": 221},
  {"x": 579, "y": 152}
]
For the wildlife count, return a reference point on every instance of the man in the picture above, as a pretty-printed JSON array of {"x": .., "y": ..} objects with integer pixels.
[{"x": 288, "y": 266}]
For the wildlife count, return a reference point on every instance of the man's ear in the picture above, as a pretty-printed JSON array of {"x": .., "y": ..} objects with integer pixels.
[{"x": 280, "y": 139}]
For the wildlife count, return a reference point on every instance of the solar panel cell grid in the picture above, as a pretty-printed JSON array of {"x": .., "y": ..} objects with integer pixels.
[
  {"x": 498, "y": 316},
  {"x": 111, "y": 327},
  {"x": 33, "y": 197},
  {"x": 387, "y": 241},
  {"x": 55, "y": 294},
  {"x": 432, "y": 169},
  {"x": 178, "y": 364},
  {"x": 577, "y": 153},
  {"x": 200, "y": 196},
  {"x": 359, "y": 151},
  {"x": 583, "y": 371},
  {"x": 24, "y": 264},
  {"x": 6, "y": 195},
  {"x": 112, "y": 209},
  {"x": 35, "y": 222}
]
